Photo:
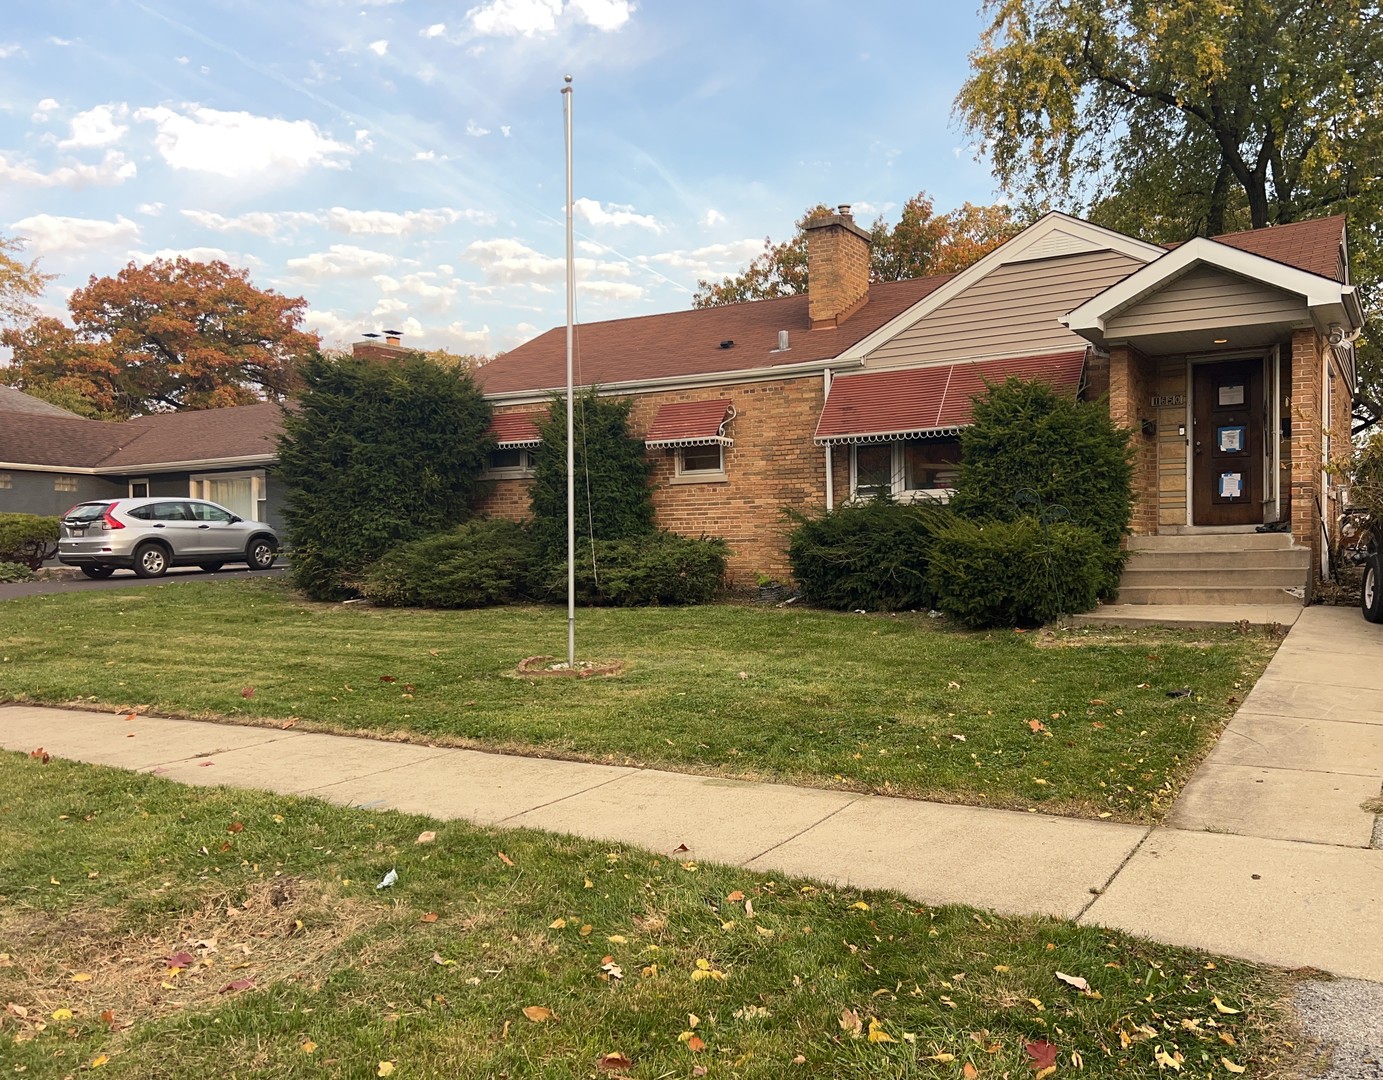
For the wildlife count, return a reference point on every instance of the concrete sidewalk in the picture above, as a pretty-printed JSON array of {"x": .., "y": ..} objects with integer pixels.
[{"x": 1267, "y": 855}]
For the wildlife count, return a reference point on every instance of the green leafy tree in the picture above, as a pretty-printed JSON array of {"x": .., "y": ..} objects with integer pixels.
[
  {"x": 171, "y": 334},
  {"x": 21, "y": 283},
  {"x": 1172, "y": 120},
  {"x": 376, "y": 454},
  {"x": 922, "y": 243},
  {"x": 613, "y": 498}
]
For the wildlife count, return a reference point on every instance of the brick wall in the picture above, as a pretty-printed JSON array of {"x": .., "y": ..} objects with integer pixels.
[
  {"x": 837, "y": 269},
  {"x": 1131, "y": 377},
  {"x": 772, "y": 464},
  {"x": 1306, "y": 441}
]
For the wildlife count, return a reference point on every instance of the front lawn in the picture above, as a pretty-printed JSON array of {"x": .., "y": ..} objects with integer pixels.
[
  {"x": 149, "y": 930},
  {"x": 1076, "y": 722}
]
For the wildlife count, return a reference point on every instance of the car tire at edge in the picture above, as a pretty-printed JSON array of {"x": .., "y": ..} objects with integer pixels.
[
  {"x": 150, "y": 560},
  {"x": 1371, "y": 598}
]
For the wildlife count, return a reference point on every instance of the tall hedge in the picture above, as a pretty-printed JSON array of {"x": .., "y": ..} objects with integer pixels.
[
  {"x": 1035, "y": 450},
  {"x": 613, "y": 498},
  {"x": 375, "y": 454}
]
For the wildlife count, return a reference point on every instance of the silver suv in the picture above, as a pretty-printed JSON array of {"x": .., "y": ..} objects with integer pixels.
[{"x": 150, "y": 535}]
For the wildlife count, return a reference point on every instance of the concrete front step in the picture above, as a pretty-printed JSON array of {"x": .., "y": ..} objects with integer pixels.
[
  {"x": 1190, "y": 616},
  {"x": 1263, "y": 595},
  {"x": 1235, "y": 542},
  {"x": 1282, "y": 577},
  {"x": 1267, "y": 559}
]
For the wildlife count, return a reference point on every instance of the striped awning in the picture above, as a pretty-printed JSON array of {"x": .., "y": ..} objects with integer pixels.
[
  {"x": 691, "y": 423},
  {"x": 930, "y": 402},
  {"x": 515, "y": 430}
]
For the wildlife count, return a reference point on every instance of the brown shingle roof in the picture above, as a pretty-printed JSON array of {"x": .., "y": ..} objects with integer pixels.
[
  {"x": 16, "y": 401},
  {"x": 689, "y": 423},
  {"x": 689, "y": 342},
  {"x": 211, "y": 434},
  {"x": 1313, "y": 246}
]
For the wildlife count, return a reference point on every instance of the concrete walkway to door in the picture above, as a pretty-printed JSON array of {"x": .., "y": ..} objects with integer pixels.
[{"x": 1276, "y": 872}]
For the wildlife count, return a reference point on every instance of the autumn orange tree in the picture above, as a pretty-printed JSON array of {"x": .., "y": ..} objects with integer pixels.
[
  {"x": 171, "y": 334},
  {"x": 923, "y": 242}
]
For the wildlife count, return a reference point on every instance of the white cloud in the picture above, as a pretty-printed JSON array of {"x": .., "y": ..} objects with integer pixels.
[
  {"x": 436, "y": 30},
  {"x": 363, "y": 140},
  {"x": 150, "y": 209},
  {"x": 196, "y": 254},
  {"x": 606, "y": 15},
  {"x": 114, "y": 168},
  {"x": 334, "y": 329},
  {"x": 49, "y": 234},
  {"x": 426, "y": 290},
  {"x": 713, "y": 260},
  {"x": 407, "y": 223},
  {"x": 712, "y": 217},
  {"x": 380, "y": 47},
  {"x": 61, "y": 42},
  {"x": 426, "y": 155},
  {"x": 44, "y": 109},
  {"x": 504, "y": 130},
  {"x": 610, "y": 290},
  {"x": 10, "y": 48},
  {"x": 590, "y": 248},
  {"x": 339, "y": 261},
  {"x": 618, "y": 216},
  {"x": 264, "y": 223},
  {"x": 511, "y": 262},
  {"x": 184, "y": 60},
  {"x": 97, "y": 127},
  {"x": 455, "y": 334},
  {"x": 389, "y": 306},
  {"x": 475, "y": 130},
  {"x": 240, "y": 145}
]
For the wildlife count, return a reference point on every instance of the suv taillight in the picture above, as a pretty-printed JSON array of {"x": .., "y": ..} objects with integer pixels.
[{"x": 110, "y": 522}]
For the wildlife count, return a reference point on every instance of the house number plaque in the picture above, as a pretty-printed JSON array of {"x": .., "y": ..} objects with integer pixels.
[{"x": 1167, "y": 401}]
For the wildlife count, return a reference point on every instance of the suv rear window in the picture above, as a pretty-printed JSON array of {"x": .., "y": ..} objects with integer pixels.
[{"x": 87, "y": 512}]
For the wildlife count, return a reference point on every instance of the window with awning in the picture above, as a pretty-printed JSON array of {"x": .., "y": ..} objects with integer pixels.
[
  {"x": 515, "y": 435},
  {"x": 695, "y": 430}
]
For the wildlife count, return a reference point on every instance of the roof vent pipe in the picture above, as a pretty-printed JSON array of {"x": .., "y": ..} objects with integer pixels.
[{"x": 782, "y": 341}]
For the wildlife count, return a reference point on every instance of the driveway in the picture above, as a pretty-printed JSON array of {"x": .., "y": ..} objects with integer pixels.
[{"x": 123, "y": 579}]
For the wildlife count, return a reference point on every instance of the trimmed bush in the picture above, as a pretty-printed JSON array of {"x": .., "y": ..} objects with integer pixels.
[
  {"x": 1032, "y": 450},
  {"x": 28, "y": 539},
  {"x": 11, "y": 572},
  {"x": 873, "y": 555},
  {"x": 613, "y": 497},
  {"x": 1016, "y": 573},
  {"x": 374, "y": 455},
  {"x": 479, "y": 564},
  {"x": 659, "y": 568}
]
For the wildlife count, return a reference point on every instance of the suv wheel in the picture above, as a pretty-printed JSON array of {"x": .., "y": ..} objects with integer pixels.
[
  {"x": 260, "y": 554},
  {"x": 1371, "y": 598},
  {"x": 150, "y": 560},
  {"x": 100, "y": 573}
]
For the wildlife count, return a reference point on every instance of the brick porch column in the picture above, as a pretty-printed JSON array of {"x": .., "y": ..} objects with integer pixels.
[
  {"x": 1130, "y": 389},
  {"x": 1306, "y": 442}
]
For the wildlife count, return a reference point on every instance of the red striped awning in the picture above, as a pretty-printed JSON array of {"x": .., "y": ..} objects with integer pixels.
[
  {"x": 691, "y": 423},
  {"x": 930, "y": 401},
  {"x": 510, "y": 430}
]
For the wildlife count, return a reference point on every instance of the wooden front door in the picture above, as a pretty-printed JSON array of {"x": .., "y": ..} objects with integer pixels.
[{"x": 1227, "y": 443}]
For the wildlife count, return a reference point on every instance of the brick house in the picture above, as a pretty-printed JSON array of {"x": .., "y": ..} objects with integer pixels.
[{"x": 1229, "y": 359}]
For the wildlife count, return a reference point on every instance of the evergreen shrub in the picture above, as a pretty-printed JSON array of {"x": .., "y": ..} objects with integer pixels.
[
  {"x": 28, "y": 539},
  {"x": 11, "y": 572},
  {"x": 1036, "y": 450},
  {"x": 1016, "y": 573},
  {"x": 872, "y": 555},
  {"x": 376, "y": 454},
  {"x": 478, "y": 564},
  {"x": 656, "y": 569}
]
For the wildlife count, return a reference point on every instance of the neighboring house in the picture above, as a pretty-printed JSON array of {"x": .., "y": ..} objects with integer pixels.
[
  {"x": 1229, "y": 359},
  {"x": 51, "y": 459}
]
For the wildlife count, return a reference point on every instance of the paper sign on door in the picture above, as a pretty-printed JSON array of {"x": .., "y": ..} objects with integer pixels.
[
  {"x": 1230, "y": 439},
  {"x": 1232, "y": 395},
  {"x": 1231, "y": 485}
]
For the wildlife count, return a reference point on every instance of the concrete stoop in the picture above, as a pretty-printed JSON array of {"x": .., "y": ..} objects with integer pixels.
[{"x": 1209, "y": 579}]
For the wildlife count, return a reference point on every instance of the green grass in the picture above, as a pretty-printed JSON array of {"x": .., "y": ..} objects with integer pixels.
[
  {"x": 105, "y": 874},
  {"x": 1074, "y": 722}
]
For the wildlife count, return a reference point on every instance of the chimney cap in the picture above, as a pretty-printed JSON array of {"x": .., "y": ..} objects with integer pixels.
[
  {"x": 393, "y": 333},
  {"x": 369, "y": 334},
  {"x": 843, "y": 209}
]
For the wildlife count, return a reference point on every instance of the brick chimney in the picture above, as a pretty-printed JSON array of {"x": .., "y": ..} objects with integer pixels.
[{"x": 837, "y": 268}]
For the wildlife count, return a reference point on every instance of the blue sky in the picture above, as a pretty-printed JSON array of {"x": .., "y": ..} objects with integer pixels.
[{"x": 399, "y": 163}]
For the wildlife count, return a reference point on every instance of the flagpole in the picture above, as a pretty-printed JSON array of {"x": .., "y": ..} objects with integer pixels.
[{"x": 571, "y": 447}]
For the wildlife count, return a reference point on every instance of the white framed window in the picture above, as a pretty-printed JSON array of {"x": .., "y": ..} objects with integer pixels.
[
  {"x": 6, "y": 481},
  {"x": 242, "y": 493},
  {"x": 509, "y": 463},
  {"x": 700, "y": 464},
  {"x": 139, "y": 489},
  {"x": 904, "y": 468},
  {"x": 64, "y": 483}
]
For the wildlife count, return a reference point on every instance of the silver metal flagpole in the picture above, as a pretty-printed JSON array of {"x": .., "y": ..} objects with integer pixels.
[{"x": 571, "y": 445}]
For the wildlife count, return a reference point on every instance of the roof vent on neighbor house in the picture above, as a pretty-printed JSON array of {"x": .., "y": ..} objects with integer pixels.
[
  {"x": 843, "y": 209},
  {"x": 782, "y": 341},
  {"x": 391, "y": 337},
  {"x": 727, "y": 343}
]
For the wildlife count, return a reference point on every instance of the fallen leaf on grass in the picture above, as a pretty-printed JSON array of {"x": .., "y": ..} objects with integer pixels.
[
  {"x": 877, "y": 1034},
  {"x": 1042, "y": 1053},
  {"x": 387, "y": 678},
  {"x": 539, "y": 1013},
  {"x": 1231, "y": 1066},
  {"x": 385, "y": 1068},
  {"x": 557, "y": 924},
  {"x": 850, "y": 1021},
  {"x": 60, "y": 1014},
  {"x": 617, "y": 939},
  {"x": 943, "y": 1058},
  {"x": 237, "y": 985},
  {"x": 292, "y": 721},
  {"x": 425, "y": 838},
  {"x": 1165, "y": 1060},
  {"x": 40, "y": 755},
  {"x": 613, "y": 1063},
  {"x": 248, "y": 692},
  {"x": 1074, "y": 980},
  {"x": 99, "y": 1060},
  {"x": 969, "y": 1071},
  {"x": 308, "y": 1047},
  {"x": 699, "y": 1070},
  {"x": 235, "y": 827},
  {"x": 1037, "y": 725},
  {"x": 1221, "y": 1007},
  {"x": 438, "y": 958},
  {"x": 735, "y": 897},
  {"x": 861, "y": 905},
  {"x": 81, "y": 976},
  {"x": 430, "y": 917},
  {"x": 505, "y": 859},
  {"x": 108, "y": 1017},
  {"x": 696, "y": 1044}
]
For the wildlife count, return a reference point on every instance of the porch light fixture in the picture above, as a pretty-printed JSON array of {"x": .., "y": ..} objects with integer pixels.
[
  {"x": 1150, "y": 428},
  {"x": 1181, "y": 431},
  {"x": 1220, "y": 341}
]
